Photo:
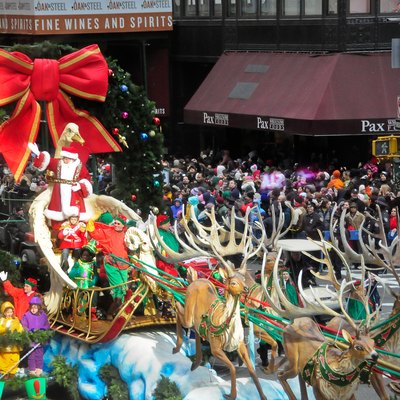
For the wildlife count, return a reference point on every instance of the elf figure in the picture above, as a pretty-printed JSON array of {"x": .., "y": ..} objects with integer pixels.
[
  {"x": 9, "y": 355},
  {"x": 289, "y": 288},
  {"x": 72, "y": 234},
  {"x": 35, "y": 319},
  {"x": 84, "y": 272}
]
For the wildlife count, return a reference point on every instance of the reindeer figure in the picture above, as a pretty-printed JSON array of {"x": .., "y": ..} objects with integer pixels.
[
  {"x": 218, "y": 322},
  {"x": 333, "y": 373},
  {"x": 214, "y": 319}
]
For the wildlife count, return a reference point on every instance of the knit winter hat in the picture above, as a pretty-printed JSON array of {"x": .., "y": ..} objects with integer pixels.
[
  {"x": 31, "y": 282},
  {"x": 336, "y": 173},
  {"x": 106, "y": 218},
  {"x": 36, "y": 300},
  {"x": 162, "y": 219},
  {"x": 121, "y": 218}
]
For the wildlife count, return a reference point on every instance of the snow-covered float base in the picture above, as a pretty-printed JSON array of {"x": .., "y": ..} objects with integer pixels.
[{"x": 142, "y": 357}]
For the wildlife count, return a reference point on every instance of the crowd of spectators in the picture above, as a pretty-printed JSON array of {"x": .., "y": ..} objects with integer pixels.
[{"x": 223, "y": 183}]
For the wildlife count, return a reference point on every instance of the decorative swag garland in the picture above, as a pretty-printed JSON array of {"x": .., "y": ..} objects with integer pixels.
[{"x": 23, "y": 339}]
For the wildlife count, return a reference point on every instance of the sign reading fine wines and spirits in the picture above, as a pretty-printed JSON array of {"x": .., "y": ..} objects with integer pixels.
[{"x": 77, "y": 17}]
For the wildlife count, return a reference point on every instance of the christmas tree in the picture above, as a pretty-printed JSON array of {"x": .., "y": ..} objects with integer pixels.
[{"x": 127, "y": 114}]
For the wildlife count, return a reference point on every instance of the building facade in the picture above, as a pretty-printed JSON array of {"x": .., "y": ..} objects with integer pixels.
[{"x": 205, "y": 29}]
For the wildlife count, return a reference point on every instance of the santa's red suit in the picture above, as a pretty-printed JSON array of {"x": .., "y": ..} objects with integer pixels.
[{"x": 71, "y": 184}]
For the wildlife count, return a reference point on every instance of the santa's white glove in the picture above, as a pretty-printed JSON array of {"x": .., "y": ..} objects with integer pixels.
[
  {"x": 3, "y": 275},
  {"x": 76, "y": 187},
  {"x": 34, "y": 148}
]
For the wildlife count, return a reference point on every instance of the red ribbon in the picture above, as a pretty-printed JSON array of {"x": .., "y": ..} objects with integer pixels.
[{"x": 83, "y": 73}]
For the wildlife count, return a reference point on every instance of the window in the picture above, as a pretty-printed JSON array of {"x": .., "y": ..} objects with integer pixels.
[
  {"x": 177, "y": 8},
  {"x": 312, "y": 7},
  {"x": 268, "y": 7},
  {"x": 389, "y": 6},
  {"x": 204, "y": 8},
  {"x": 249, "y": 7},
  {"x": 231, "y": 8},
  {"x": 190, "y": 9},
  {"x": 360, "y": 7},
  {"x": 332, "y": 7},
  {"x": 218, "y": 8},
  {"x": 291, "y": 7}
]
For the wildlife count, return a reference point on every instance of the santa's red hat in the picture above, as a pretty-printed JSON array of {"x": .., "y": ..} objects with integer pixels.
[{"x": 69, "y": 152}]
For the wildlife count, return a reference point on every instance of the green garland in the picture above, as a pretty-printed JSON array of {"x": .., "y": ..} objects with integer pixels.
[
  {"x": 137, "y": 168},
  {"x": 23, "y": 339}
]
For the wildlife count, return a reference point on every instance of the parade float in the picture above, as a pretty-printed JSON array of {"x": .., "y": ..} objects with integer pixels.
[{"x": 136, "y": 353}]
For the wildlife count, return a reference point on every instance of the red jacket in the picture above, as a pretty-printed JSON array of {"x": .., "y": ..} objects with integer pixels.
[{"x": 21, "y": 299}]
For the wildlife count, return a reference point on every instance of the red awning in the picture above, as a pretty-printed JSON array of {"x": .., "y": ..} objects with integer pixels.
[{"x": 333, "y": 94}]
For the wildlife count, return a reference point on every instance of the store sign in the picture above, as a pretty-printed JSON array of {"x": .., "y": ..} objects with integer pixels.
[
  {"x": 272, "y": 124},
  {"x": 215, "y": 119},
  {"x": 389, "y": 125},
  {"x": 77, "y": 17}
]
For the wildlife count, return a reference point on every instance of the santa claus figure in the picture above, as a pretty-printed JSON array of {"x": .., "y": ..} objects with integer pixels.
[{"x": 71, "y": 183}]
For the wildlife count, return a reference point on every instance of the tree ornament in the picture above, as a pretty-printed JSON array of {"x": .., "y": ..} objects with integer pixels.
[
  {"x": 144, "y": 136},
  {"x": 123, "y": 88},
  {"x": 156, "y": 121},
  {"x": 124, "y": 115},
  {"x": 134, "y": 197},
  {"x": 155, "y": 210},
  {"x": 110, "y": 72},
  {"x": 115, "y": 131},
  {"x": 152, "y": 133},
  {"x": 156, "y": 183}
]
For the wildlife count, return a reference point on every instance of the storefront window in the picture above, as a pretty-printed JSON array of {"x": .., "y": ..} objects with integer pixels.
[
  {"x": 312, "y": 7},
  {"x": 249, "y": 7},
  {"x": 291, "y": 7},
  {"x": 389, "y": 6},
  {"x": 218, "y": 8},
  {"x": 332, "y": 7},
  {"x": 190, "y": 8},
  {"x": 204, "y": 8},
  {"x": 360, "y": 7}
]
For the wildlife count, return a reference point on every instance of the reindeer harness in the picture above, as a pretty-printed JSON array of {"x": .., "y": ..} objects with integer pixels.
[
  {"x": 206, "y": 324},
  {"x": 328, "y": 374},
  {"x": 382, "y": 337}
]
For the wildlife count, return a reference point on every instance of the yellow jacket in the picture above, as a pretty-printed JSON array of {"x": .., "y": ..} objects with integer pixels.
[{"x": 10, "y": 325}]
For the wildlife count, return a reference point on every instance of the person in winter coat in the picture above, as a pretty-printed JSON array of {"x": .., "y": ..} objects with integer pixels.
[
  {"x": 21, "y": 296},
  {"x": 72, "y": 234},
  {"x": 9, "y": 355},
  {"x": 35, "y": 319},
  {"x": 336, "y": 181}
]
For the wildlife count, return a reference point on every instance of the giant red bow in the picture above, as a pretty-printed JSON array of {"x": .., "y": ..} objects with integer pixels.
[{"x": 83, "y": 74}]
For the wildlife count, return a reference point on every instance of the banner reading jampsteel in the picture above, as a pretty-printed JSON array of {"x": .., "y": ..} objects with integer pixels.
[{"x": 76, "y": 17}]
